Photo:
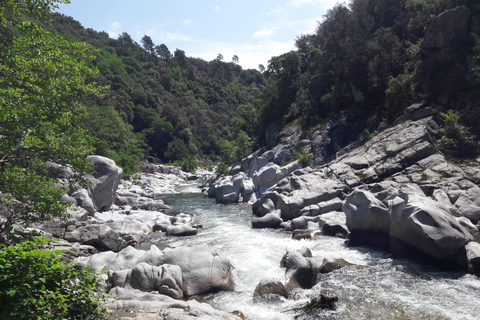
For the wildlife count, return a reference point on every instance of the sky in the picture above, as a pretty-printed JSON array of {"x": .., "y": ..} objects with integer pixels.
[{"x": 253, "y": 30}]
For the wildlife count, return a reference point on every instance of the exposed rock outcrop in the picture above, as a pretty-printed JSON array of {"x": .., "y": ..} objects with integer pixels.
[
  {"x": 159, "y": 306},
  {"x": 395, "y": 191},
  {"x": 199, "y": 270}
]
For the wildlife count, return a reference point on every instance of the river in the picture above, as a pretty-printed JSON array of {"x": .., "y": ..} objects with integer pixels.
[{"x": 383, "y": 288}]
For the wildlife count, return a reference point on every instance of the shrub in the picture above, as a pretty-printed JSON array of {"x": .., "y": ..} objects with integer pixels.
[
  {"x": 190, "y": 164},
  {"x": 457, "y": 140},
  {"x": 36, "y": 284},
  {"x": 303, "y": 157}
]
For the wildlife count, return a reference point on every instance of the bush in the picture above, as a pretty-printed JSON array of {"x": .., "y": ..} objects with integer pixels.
[
  {"x": 190, "y": 164},
  {"x": 36, "y": 284},
  {"x": 303, "y": 157},
  {"x": 457, "y": 140}
]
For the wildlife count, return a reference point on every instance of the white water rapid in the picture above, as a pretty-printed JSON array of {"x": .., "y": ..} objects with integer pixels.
[{"x": 383, "y": 288}]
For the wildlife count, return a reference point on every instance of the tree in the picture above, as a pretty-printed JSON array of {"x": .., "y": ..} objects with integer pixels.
[
  {"x": 219, "y": 57},
  {"x": 147, "y": 44},
  {"x": 180, "y": 57},
  {"x": 163, "y": 52},
  {"x": 126, "y": 40},
  {"x": 235, "y": 59},
  {"x": 43, "y": 79},
  {"x": 36, "y": 284},
  {"x": 177, "y": 150},
  {"x": 261, "y": 68}
]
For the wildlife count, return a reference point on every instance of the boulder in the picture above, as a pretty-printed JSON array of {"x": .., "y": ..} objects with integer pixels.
[
  {"x": 269, "y": 289},
  {"x": 270, "y": 220},
  {"x": 282, "y": 154},
  {"x": 473, "y": 257},
  {"x": 421, "y": 228},
  {"x": 334, "y": 204},
  {"x": 332, "y": 265},
  {"x": 83, "y": 199},
  {"x": 261, "y": 208},
  {"x": 100, "y": 236},
  {"x": 227, "y": 189},
  {"x": 468, "y": 207},
  {"x": 305, "y": 222},
  {"x": 304, "y": 251},
  {"x": 181, "y": 230},
  {"x": 153, "y": 256},
  {"x": 301, "y": 272},
  {"x": 368, "y": 220},
  {"x": 104, "y": 181},
  {"x": 165, "y": 279},
  {"x": 202, "y": 270},
  {"x": 73, "y": 250},
  {"x": 334, "y": 224},
  {"x": 96, "y": 262},
  {"x": 448, "y": 30},
  {"x": 266, "y": 174},
  {"x": 159, "y": 306},
  {"x": 248, "y": 187},
  {"x": 300, "y": 190},
  {"x": 125, "y": 259}
]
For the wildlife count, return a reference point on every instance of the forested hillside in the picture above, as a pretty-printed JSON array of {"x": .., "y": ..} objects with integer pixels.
[
  {"x": 166, "y": 104},
  {"x": 367, "y": 60},
  {"x": 371, "y": 59}
]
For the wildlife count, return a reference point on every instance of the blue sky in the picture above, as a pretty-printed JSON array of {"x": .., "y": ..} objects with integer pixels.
[{"x": 254, "y": 30}]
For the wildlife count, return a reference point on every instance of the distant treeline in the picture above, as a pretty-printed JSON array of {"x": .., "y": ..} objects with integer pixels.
[
  {"x": 365, "y": 58},
  {"x": 163, "y": 104}
]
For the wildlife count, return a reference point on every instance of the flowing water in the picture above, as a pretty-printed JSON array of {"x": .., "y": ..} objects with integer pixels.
[{"x": 382, "y": 288}]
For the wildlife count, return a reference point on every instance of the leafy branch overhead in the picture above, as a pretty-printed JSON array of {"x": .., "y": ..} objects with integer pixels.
[{"x": 43, "y": 79}]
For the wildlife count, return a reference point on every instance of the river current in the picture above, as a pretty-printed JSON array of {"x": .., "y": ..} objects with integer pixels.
[{"x": 382, "y": 288}]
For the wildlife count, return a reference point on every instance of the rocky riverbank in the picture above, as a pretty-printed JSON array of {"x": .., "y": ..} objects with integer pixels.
[
  {"x": 112, "y": 216},
  {"x": 393, "y": 192}
]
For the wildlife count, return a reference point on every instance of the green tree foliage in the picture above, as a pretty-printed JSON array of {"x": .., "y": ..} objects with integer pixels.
[
  {"x": 457, "y": 140},
  {"x": 163, "y": 96},
  {"x": 148, "y": 44},
  {"x": 366, "y": 59},
  {"x": 43, "y": 79},
  {"x": 234, "y": 151},
  {"x": 177, "y": 150},
  {"x": 114, "y": 138},
  {"x": 36, "y": 284},
  {"x": 303, "y": 157},
  {"x": 163, "y": 51}
]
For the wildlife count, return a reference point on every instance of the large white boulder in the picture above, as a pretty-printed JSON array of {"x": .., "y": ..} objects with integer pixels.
[
  {"x": 104, "y": 181},
  {"x": 202, "y": 270}
]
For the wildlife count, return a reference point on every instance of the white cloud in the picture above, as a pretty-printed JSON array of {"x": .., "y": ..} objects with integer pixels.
[
  {"x": 169, "y": 36},
  {"x": 309, "y": 26},
  {"x": 114, "y": 28},
  {"x": 264, "y": 32},
  {"x": 189, "y": 22},
  {"x": 327, "y": 4},
  {"x": 250, "y": 54},
  {"x": 217, "y": 8}
]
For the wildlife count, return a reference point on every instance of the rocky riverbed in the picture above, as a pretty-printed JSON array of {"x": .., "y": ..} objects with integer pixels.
[
  {"x": 395, "y": 192},
  {"x": 113, "y": 216}
]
